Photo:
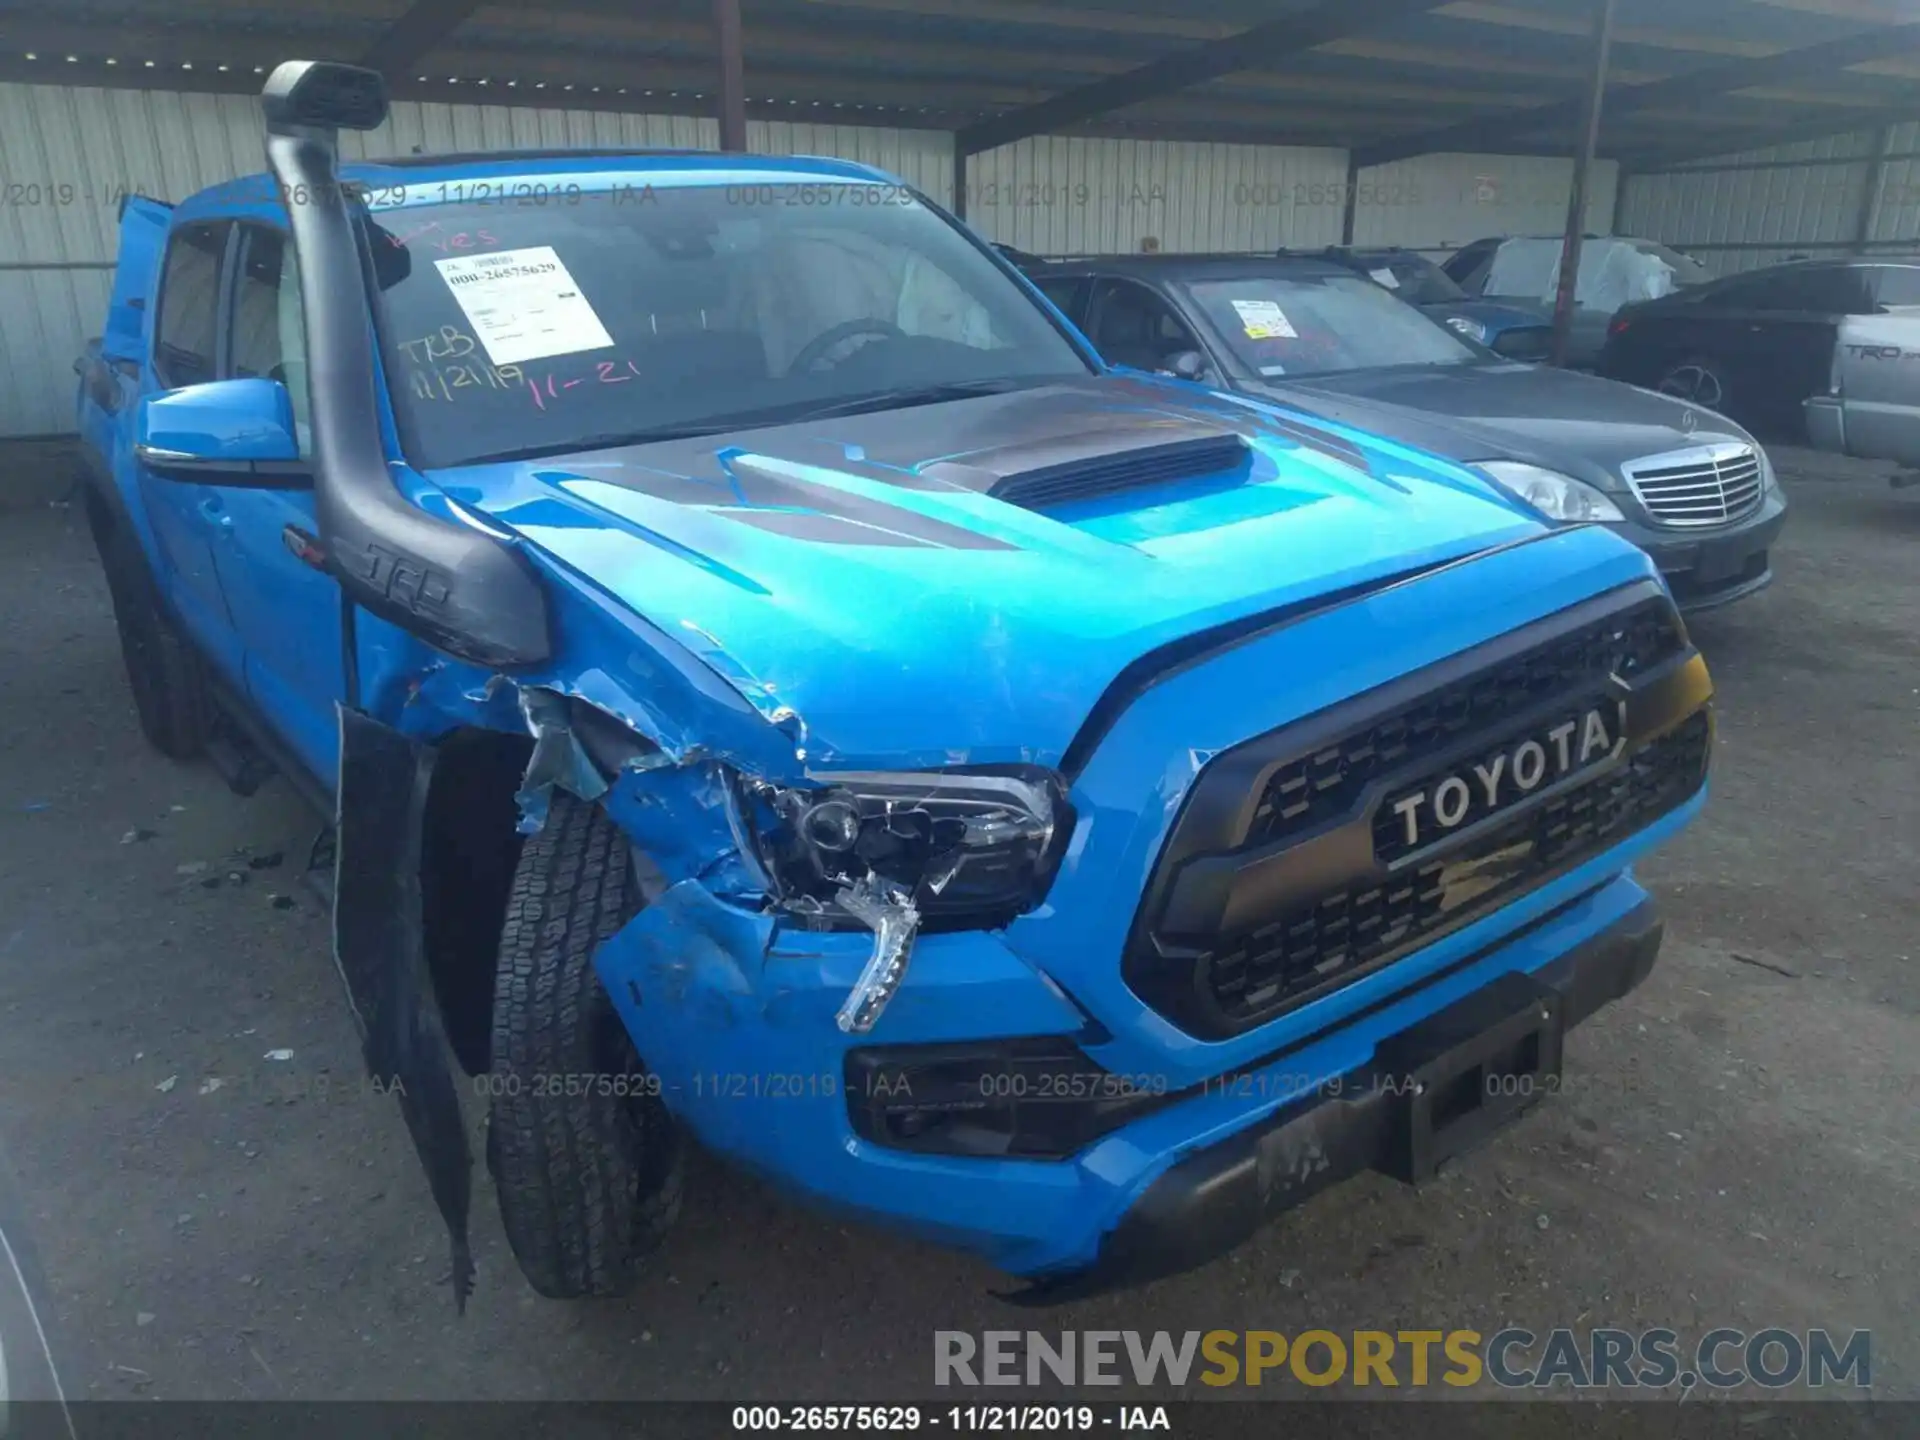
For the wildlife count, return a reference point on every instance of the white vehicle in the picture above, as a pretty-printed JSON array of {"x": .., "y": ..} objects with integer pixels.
[{"x": 1872, "y": 405}]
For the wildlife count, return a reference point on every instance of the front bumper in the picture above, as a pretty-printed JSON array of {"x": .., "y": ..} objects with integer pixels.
[
  {"x": 1709, "y": 568},
  {"x": 762, "y": 1082},
  {"x": 1368, "y": 1120}
]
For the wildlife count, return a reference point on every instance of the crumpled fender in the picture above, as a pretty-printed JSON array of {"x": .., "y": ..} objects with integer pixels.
[{"x": 378, "y": 950}]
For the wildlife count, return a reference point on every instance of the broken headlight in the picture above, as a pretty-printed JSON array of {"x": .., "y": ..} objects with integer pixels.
[{"x": 968, "y": 849}]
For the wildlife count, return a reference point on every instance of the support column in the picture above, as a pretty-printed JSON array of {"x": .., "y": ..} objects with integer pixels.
[
  {"x": 1870, "y": 195},
  {"x": 1353, "y": 192},
  {"x": 733, "y": 89},
  {"x": 1577, "y": 200}
]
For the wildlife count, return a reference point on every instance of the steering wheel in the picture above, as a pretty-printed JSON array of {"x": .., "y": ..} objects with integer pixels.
[{"x": 817, "y": 349}]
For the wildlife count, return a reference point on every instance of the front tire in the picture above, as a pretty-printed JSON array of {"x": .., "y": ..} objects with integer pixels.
[
  {"x": 1700, "y": 380},
  {"x": 588, "y": 1173}
]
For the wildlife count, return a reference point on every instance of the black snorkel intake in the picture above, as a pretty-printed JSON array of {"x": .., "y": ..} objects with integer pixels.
[{"x": 457, "y": 588}]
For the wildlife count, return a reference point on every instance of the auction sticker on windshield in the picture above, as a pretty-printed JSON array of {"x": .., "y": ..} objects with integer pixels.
[
  {"x": 523, "y": 305},
  {"x": 1264, "y": 320}
]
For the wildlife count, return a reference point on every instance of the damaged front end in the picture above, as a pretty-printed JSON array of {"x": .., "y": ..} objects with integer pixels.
[
  {"x": 892, "y": 854},
  {"x": 895, "y": 853}
]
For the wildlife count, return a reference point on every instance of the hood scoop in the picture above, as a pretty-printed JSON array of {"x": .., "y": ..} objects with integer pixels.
[
  {"x": 1129, "y": 470},
  {"x": 1062, "y": 469}
]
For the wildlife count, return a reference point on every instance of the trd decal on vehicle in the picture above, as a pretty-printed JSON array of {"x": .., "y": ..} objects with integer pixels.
[
  {"x": 1511, "y": 773},
  {"x": 1881, "y": 352}
]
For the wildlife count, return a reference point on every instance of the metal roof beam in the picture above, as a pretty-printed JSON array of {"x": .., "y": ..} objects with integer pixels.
[
  {"x": 421, "y": 27},
  {"x": 1683, "y": 89},
  {"x": 1288, "y": 35},
  {"x": 1656, "y": 160}
]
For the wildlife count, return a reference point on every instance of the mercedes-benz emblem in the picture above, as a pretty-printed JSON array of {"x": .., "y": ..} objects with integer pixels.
[{"x": 1688, "y": 420}]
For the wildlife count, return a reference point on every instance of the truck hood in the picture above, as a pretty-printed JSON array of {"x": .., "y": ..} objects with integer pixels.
[
  {"x": 960, "y": 582},
  {"x": 1577, "y": 424}
]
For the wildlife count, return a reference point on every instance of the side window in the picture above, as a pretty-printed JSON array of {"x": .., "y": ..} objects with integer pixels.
[
  {"x": 1133, "y": 326},
  {"x": 1896, "y": 288},
  {"x": 1750, "y": 294},
  {"x": 1810, "y": 290},
  {"x": 185, "y": 336},
  {"x": 269, "y": 331},
  {"x": 1069, "y": 293}
]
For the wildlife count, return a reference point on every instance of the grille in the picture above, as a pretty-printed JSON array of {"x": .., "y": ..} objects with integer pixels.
[
  {"x": 1689, "y": 489},
  {"x": 1348, "y": 931},
  {"x": 1130, "y": 470},
  {"x": 1317, "y": 787}
]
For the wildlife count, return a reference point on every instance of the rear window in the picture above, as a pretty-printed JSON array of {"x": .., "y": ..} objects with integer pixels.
[
  {"x": 1324, "y": 325},
  {"x": 615, "y": 317},
  {"x": 1897, "y": 287}
]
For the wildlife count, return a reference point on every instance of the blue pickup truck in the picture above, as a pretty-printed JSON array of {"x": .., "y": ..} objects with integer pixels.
[{"x": 772, "y": 686}]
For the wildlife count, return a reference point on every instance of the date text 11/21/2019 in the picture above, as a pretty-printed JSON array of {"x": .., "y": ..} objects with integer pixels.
[{"x": 959, "y": 1419}]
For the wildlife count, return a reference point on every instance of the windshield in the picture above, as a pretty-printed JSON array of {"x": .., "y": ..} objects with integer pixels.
[
  {"x": 1414, "y": 278},
  {"x": 611, "y": 317},
  {"x": 1322, "y": 325}
]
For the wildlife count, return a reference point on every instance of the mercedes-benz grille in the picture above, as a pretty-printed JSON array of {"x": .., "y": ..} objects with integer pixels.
[{"x": 1692, "y": 489}]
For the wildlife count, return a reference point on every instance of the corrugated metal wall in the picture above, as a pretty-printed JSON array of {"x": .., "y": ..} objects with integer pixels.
[
  {"x": 1440, "y": 202},
  {"x": 1071, "y": 195},
  {"x": 1743, "y": 211},
  {"x": 73, "y": 152},
  {"x": 67, "y": 155}
]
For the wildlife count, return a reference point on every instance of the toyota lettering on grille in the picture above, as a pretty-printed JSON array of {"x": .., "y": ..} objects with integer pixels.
[{"x": 1510, "y": 774}]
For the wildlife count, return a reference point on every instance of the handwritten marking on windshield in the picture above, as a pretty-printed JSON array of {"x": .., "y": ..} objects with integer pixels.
[
  {"x": 438, "y": 382},
  {"x": 548, "y": 387}
]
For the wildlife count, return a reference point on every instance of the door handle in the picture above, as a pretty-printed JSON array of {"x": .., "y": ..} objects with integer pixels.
[{"x": 214, "y": 510}]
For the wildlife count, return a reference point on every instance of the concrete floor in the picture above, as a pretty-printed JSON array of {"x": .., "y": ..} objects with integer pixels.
[{"x": 1738, "y": 1144}]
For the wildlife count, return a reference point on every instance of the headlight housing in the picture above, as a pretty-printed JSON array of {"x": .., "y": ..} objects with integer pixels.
[
  {"x": 1556, "y": 496},
  {"x": 1472, "y": 329},
  {"x": 970, "y": 849}
]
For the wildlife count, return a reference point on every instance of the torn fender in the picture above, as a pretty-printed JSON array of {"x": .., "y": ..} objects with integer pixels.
[{"x": 378, "y": 950}]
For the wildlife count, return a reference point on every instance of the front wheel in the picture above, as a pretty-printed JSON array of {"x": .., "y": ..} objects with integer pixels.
[
  {"x": 586, "y": 1159},
  {"x": 1700, "y": 380}
]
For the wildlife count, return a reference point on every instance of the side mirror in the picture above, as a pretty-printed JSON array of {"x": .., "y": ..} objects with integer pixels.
[
  {"x": 226, "y": 432},
  {"x": 1187, "y": 365}
]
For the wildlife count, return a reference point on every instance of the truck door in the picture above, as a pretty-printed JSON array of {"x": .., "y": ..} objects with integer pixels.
[
  {"x": 110, "y": 371},
  {"x": 286, "y": 609},
  {"x": 188, "y": 519}
]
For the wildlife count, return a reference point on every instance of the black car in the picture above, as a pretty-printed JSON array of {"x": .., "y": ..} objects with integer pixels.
[
  {"x": 1688, "y": 486},
  {"x": 1757, "y": 345},
  {"x": 1518, "y": 331}
]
